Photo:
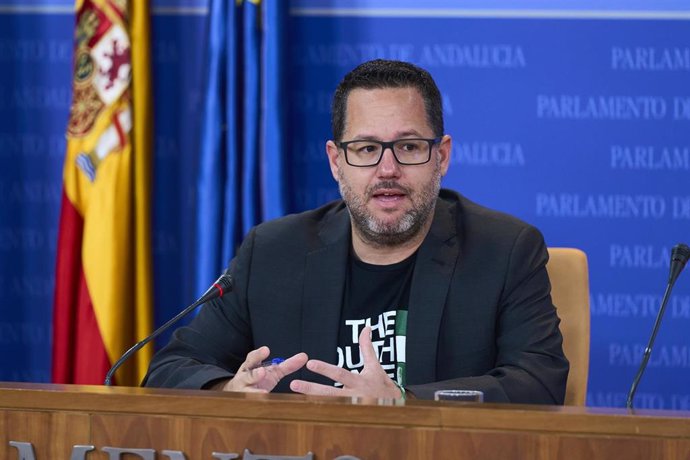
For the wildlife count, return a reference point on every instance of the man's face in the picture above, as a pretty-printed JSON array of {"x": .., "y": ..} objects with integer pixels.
[{"x": 389, "y": 203}]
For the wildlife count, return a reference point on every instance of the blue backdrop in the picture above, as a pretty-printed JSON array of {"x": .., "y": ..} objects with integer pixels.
[{"x": 574, "y": 118}]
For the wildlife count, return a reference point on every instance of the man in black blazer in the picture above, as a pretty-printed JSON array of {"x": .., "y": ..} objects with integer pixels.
[{"x": 400, "y": 288}]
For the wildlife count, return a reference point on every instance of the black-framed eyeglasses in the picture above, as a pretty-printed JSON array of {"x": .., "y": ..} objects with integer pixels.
[{"x": 409, "y": 151}]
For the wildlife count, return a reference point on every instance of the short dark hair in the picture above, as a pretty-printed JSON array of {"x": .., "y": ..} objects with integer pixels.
[{"x": 380, "y": 74}]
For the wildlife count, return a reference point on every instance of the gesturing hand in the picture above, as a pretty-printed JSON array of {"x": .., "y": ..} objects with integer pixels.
[
  {"x": 250, "y": 377},
  {"x": 371, "y": 382}
]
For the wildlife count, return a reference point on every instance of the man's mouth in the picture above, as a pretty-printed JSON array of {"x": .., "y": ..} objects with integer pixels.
[{"x": 388, "y": 195}]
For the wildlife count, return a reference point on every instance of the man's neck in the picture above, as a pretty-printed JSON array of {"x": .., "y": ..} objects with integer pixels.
[{"x": 386, "y": 255}]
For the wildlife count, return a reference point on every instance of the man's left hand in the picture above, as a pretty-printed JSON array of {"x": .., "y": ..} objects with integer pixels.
[{"x": 371, "y": 382}]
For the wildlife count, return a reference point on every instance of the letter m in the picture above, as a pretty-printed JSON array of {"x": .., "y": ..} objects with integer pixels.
[{"x": 25, "y": 451}]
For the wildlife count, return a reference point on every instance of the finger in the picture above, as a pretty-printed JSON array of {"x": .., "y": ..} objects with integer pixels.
[
  {"x": 253, "y": 376},
  {"x": 268, "y": 377},
  {"x": 292, "y": 364},
  {"x": 255, "y": 358},
  {"x": 251, "y": 372},
  {"x": 311, "y": 388},
  {"x": 245, "y": 380},
  {"x": 335, "y": 373},
  {"x": 366, "y": 348}
]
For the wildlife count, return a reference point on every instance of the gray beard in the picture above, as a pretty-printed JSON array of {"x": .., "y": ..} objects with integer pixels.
[{"x": 381, "y": 234}]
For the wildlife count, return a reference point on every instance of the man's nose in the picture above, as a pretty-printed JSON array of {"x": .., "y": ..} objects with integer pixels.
[{"x": 388, "y": 166}]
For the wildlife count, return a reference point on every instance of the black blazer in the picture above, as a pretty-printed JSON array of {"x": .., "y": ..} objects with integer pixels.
[{"x": 480, "y": 312}]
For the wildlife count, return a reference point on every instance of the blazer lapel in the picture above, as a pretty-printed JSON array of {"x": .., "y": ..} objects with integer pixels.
[
  {"x": 324, "y": 281},
  {"x": 436, "y": 261}
]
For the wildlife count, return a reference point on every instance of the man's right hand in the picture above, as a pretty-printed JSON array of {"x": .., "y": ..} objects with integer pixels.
[{"x": 251, "y": 377}]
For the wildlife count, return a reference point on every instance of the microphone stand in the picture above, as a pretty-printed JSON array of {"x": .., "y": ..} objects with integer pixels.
[
  {"x": 679, "y": 257},
  {"x": 222, "y": 286}
]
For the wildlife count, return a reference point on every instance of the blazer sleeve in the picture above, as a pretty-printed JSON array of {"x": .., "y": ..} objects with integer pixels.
[
  {"x": 528, "y": 362},
  {"x": 215, "y": 343}
]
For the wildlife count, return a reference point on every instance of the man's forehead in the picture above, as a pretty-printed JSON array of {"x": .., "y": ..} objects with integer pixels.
[
  {"x": 366, "y": 99},
  {"x": 412, "y": 113}
]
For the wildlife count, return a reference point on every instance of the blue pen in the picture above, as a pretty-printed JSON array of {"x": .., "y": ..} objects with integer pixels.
[{"x": 272, "y": 362}]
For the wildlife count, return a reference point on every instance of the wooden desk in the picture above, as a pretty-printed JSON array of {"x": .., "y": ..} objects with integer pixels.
[{"x": 197, "y": 423}]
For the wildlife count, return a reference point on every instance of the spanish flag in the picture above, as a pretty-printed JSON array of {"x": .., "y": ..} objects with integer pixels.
[{"x": 103, "y": 279}]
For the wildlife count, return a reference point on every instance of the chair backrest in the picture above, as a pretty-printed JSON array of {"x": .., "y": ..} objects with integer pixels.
[{"x": 567, "y": 268}]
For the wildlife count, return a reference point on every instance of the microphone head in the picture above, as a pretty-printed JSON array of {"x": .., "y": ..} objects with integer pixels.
[
  {"x": 680, "y": 253},
  {"x": 679, "y": 257},
  {"x": 219, "y": 288},
  {"x": 226, "y": 283}
]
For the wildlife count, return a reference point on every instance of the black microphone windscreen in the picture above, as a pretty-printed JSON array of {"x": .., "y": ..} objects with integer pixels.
[
  {"x": 681, "y": 253},
  {"x": 679, "y": 257}
]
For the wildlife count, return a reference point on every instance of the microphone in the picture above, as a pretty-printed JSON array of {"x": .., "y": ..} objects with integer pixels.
[
  {"x": 222, "y": 286},
  {"x": 679, "y": 257}
]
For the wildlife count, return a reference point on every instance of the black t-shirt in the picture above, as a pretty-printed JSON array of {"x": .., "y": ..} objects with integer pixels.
[{"x": 376, "y": 296}]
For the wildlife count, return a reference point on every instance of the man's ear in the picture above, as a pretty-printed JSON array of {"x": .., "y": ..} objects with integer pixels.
[
  {"x": 332, "y": 151},
  {"x": 444, "y": 150}
]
